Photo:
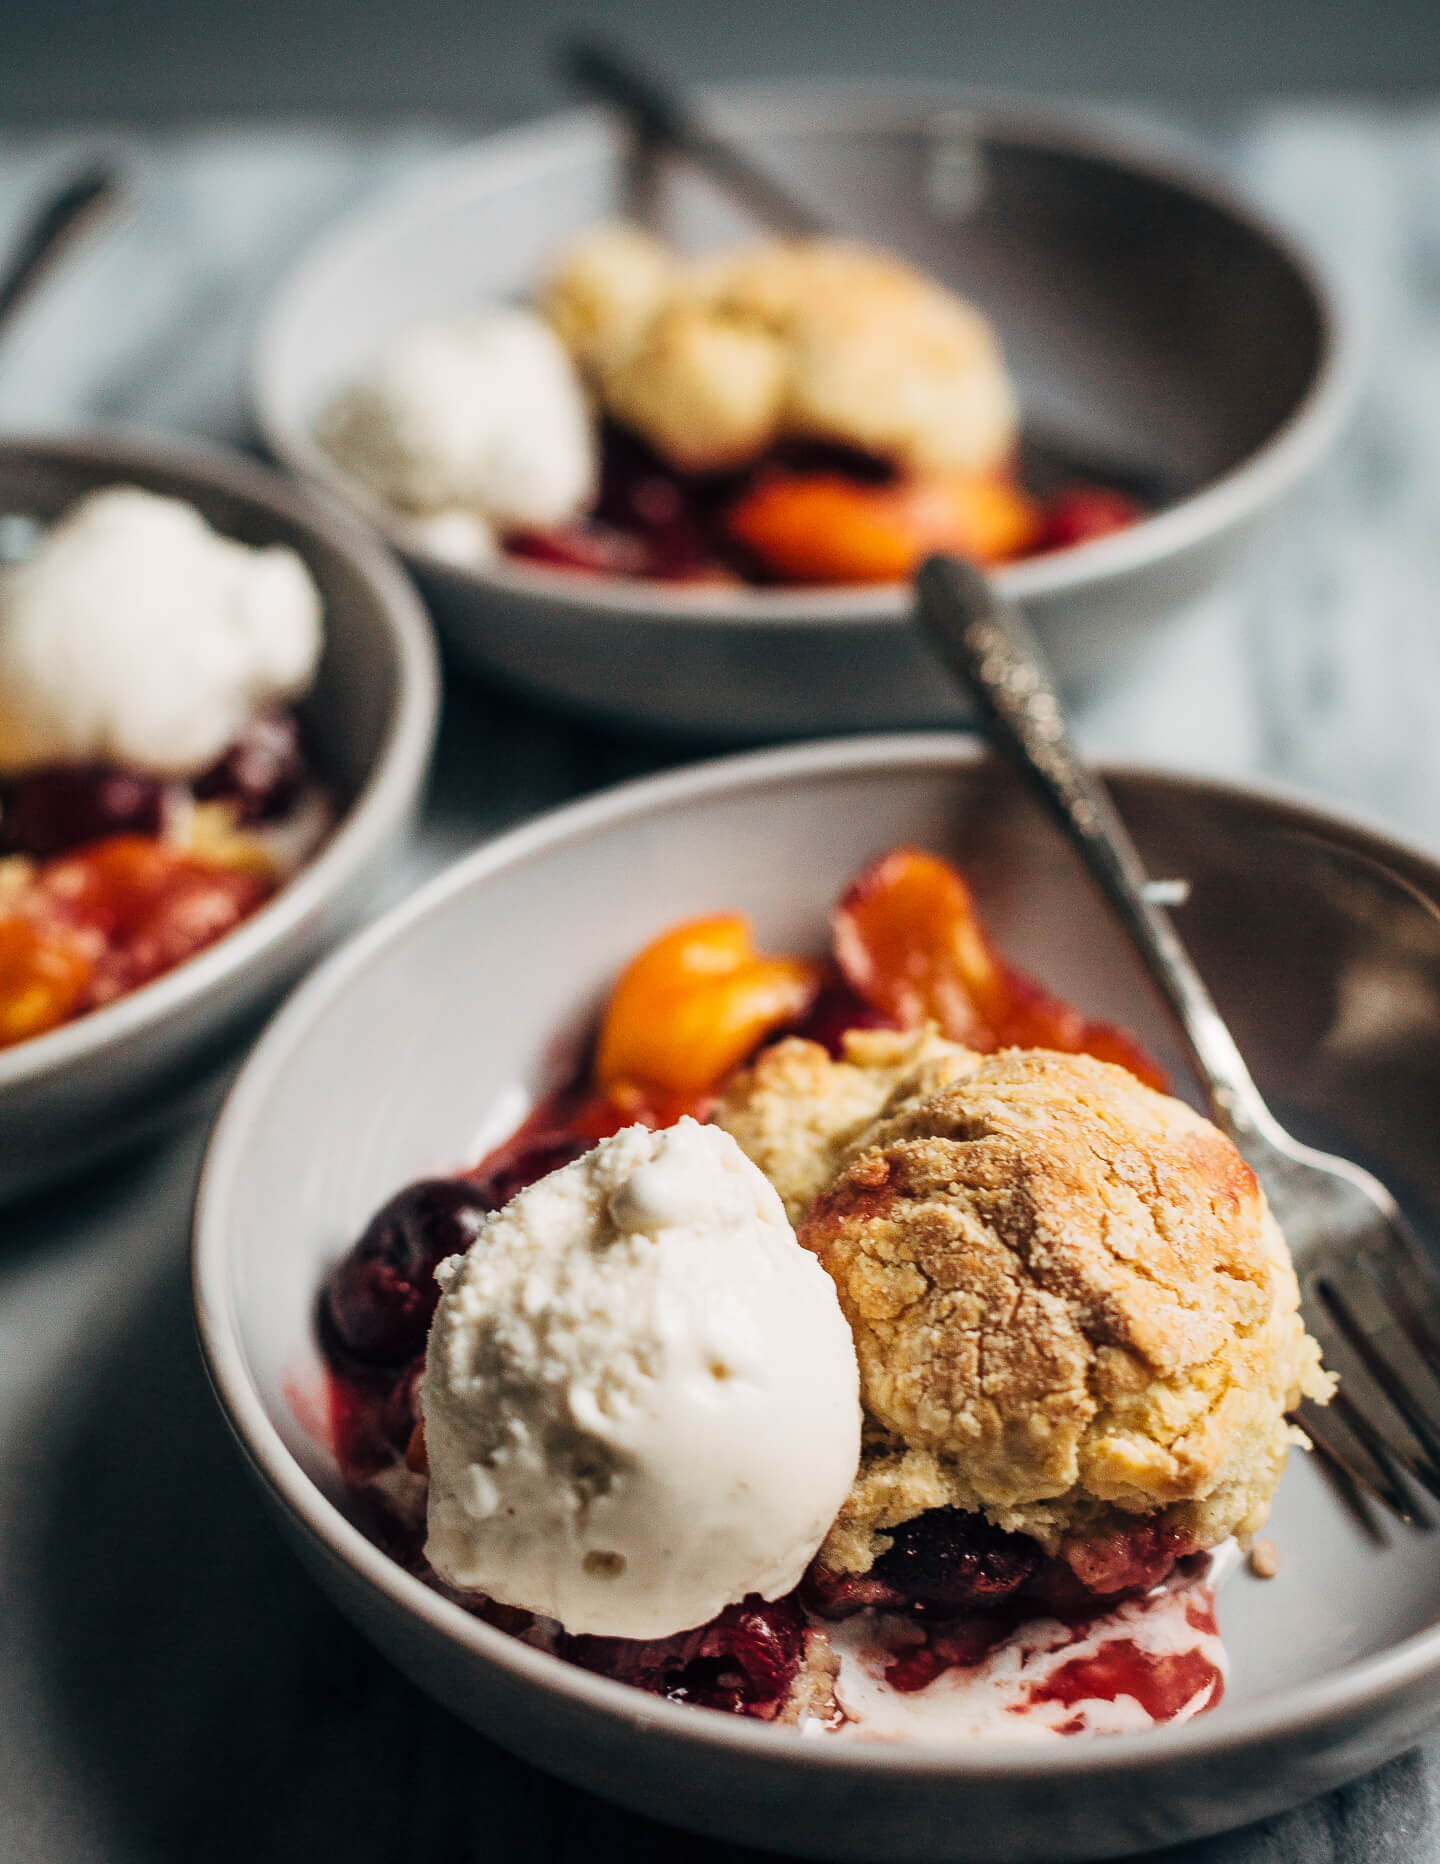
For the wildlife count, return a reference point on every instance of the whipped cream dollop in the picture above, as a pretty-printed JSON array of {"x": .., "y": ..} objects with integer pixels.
[
  {"x": 135, "y": 635},
  {"x": 640, "y": 1397},
  {"x": 474, "y": 423}
]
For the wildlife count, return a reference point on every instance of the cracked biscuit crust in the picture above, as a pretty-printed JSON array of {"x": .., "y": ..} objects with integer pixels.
[
  {"x": 795, "y": 1112},
  {"x": 1071, "y": 1307}
]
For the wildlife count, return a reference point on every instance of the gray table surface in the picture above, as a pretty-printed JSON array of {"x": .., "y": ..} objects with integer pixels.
[{"x": 171, "y": 1685}]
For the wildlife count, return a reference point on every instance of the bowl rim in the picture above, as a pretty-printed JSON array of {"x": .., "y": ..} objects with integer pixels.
[
  {"x": 508, "y": 156},
  {"x": 1305, "y": 1710},
  {"x": 384, "y": 797}
]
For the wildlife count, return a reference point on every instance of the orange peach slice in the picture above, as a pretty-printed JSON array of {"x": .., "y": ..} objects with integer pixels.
[
  {"x": 910, "y": 944},
  {"x": 824, "y": 528},
  {"x": 692, "y": 1006},
  {"x": 45, "y": 972}
]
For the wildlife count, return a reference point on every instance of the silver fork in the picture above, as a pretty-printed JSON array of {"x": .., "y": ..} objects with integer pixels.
[{"x": 1369, "y": 1295}]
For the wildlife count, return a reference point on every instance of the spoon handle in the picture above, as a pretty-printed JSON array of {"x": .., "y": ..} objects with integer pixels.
[
  {"x": 659, "y": 117},
  {"x": 93, "y": 191},
  {"x": 987, "y": 643}
]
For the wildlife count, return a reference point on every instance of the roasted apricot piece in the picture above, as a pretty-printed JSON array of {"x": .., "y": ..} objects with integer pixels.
[
  {"x": 690, "y": 1008},
  {"x": 152, "y": 905},
  {"x": 1038, "y": 1020},
  {"x": 909, "y": 943},
  {"x": 826, "y": 528},
  {"x": 45, "y": 972}
]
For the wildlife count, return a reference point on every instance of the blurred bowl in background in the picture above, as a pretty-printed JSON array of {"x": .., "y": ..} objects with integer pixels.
[
  {"x": 1156, "y": 327},
  {"x": 90, "y": 1087}
]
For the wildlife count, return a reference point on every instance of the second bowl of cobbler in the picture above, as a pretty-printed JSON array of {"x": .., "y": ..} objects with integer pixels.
[{"x": 660, "y": 468}]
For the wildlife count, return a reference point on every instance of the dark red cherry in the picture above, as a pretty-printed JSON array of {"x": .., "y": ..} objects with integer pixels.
[
  {"x": 264, "y": 771},
  {"x": 743, "y": 1662},
  {"x": 593, "y": 548},
  {"x": 836, "y": 1011},
  {"x": 380, "y": 1298},
  {"x": 72, "y": 804},
  {"x": 755, "y": 1650},
  {"x": 949, "y": 1560},
  {"x": 1125, "y": 1560},
  {"x": 1078, "y": 514},
  {"x": 841, "y": 1595}
]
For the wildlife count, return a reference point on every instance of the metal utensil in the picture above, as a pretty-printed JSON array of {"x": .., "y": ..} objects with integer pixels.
[
  {"x": 662, "y": 121},
  {"x": 1368, "y": 1293},
  {"x": 81, "y": 200}
]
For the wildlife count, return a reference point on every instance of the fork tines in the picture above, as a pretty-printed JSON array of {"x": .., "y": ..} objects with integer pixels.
[{"x": 1375, "y": 1310}]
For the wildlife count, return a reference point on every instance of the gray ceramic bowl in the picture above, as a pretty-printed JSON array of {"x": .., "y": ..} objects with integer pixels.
[
  {"x": 467, "y": 999},
  {"x": 1149, "y": 316},
  {"x": 98, "y": 1084}
]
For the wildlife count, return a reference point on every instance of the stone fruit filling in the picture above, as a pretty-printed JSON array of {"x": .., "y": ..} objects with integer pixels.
[
  {"x": 867, "y": 1343},
  {"x": 155, "y": 788},
  {"x": 803, "y": 412}
]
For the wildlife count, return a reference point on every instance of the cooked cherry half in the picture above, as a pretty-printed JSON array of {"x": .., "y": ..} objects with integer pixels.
[
  {"x": 381, "y": 1297},
  {"x": 1078, "y": 514},
  {"x": 263, "y": 771},
  {"x": 73, "y": 804},
  {"x": 743, "y": 1662},
  {"x": 516, "y": 1169},
  {"x": 834, "y": 1013},
  {"x": 948, "y": 1560}
]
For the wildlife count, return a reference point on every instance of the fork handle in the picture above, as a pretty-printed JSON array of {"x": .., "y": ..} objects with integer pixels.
[
  {"x": 659, "y": 116},
  {"x": 988, "y": 644}
]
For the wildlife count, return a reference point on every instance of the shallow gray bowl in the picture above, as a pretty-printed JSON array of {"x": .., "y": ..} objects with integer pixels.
[
  {"x": 100, "y": 1083},
  {"x": 466, "y": 1000},
  {"x": 1150, "y": 317}
]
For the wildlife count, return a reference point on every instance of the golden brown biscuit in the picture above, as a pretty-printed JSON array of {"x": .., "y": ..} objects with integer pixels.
[
  {"x": 715, "y": 359},
  {"x": 889, "y": 362},
  {"x": 795, "y": 1112},
  {"x": 706, "y": 390},
  {"x": 1071, "y": 1308},
  {"x": 604, "y": 291}
]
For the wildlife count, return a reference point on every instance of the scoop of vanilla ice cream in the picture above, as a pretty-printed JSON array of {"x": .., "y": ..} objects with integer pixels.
[
  {"x": 483, "y": 413},
  {"x": 640, "y": 1395},
  {"x": 136, "y": 635}
]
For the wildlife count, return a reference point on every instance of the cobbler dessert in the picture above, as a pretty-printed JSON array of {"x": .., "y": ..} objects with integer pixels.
[
  {"x": 870, "y": 1344},
  {"x": 155, "y": 786},
  {"x": 803, "y": 412}
]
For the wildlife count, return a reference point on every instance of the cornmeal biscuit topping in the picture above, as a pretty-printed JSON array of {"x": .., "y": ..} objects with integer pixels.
[
  {"x": 796, "y": 1112},
  {"x": 1070, "y": 1303}
]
